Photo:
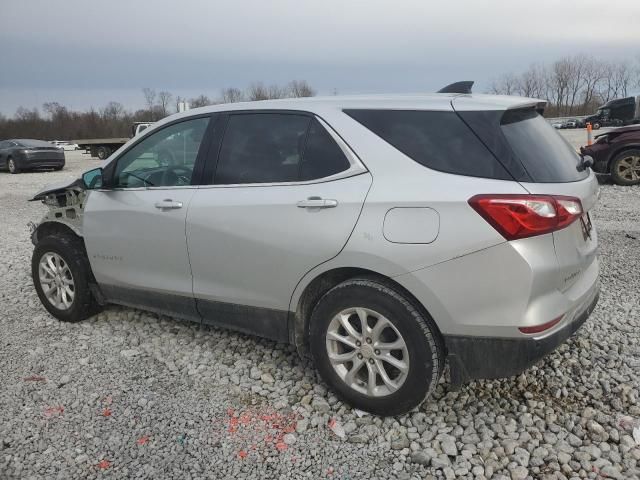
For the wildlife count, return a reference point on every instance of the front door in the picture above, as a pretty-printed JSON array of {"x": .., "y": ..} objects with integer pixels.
[
  {"x": 285, "y": 197},
  {"x": 134, "y": 229}
]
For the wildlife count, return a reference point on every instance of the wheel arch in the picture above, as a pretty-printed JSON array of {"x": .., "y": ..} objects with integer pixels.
[
  {"x": 52, "y": 227},
  {"x": 312, "y": 292},
  {"x": 618, "y": 151}
]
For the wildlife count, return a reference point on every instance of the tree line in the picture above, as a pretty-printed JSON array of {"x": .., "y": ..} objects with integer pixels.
[
  {"x": 572, "y": 85},
  {"x": 57, "y": 122}
]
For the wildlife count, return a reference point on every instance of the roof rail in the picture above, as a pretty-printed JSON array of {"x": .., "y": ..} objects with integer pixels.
[{"x": 458, "y": 87}]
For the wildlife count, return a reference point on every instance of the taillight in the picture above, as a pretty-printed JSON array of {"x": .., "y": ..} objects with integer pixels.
[{"x": 522, "y": 216}]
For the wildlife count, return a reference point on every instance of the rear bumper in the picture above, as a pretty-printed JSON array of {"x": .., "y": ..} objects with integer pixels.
[{"x": 473, "y": 358}]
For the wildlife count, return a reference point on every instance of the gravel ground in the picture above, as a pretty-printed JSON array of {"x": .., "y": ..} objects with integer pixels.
[{"x": 131, "y": 394}]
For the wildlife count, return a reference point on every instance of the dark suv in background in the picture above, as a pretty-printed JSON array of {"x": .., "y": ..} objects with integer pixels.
[{"x": 617, "y": 153}]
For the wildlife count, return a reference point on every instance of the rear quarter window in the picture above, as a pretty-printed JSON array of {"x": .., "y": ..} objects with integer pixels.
[
  {"x": 543, "y": 152},
  {"x": 437, "y": 140},
  {"x": 530, "y": 148}
]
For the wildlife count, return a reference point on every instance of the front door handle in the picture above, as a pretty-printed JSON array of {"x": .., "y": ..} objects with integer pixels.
[
  {"x": 317, "y": 202},
  {"x": 168, "y": 204}
]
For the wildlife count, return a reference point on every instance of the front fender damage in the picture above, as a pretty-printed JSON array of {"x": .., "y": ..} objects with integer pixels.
[{"x": 65, "y": 203}]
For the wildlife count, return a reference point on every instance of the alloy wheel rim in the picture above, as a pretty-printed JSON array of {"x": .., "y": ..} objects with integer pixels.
[
  {"x": 56, "y": 281},
  {"x": 367, "y": 352},
  {"x": 629, "y": 168},
  {"x": 12, "y": 165}
]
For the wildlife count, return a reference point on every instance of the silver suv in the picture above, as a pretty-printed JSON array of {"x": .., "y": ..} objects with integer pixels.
[{"x": 382, "y": 235}]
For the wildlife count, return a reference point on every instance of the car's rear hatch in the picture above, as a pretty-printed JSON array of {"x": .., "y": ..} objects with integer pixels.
[{"x": 544, "y": 164}]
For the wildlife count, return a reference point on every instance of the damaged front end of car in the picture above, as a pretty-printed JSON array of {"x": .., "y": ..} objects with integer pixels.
[{"x": 65, "y": 204}]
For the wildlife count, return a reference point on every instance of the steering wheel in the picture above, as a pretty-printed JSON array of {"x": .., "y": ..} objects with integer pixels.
[{"x": 176, "y": 176}]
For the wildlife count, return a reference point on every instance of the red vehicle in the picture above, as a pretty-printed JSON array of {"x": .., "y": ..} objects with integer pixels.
[{"x": 617, "y": 153}]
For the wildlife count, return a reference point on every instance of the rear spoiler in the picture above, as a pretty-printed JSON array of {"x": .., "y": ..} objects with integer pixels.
[
  {"x": 458, "y": 87},
  {"x": 537, "y": 105}
]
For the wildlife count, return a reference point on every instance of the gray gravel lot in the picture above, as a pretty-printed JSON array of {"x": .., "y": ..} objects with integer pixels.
[{"x": 130, "y": 394}]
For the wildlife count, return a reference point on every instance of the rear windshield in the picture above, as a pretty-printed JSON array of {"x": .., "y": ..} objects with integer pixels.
[
  {"x": 33, "y": 143},
  {"x": 544, "y": 153},
  {"x": 438, "y": 140}
]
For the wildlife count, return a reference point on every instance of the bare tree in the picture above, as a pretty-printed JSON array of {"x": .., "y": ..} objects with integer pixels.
[
  {"x": 558, "y": 83},
  {"x": 150, "y": 99},
  {"x": 276, "y": 91},
  {"x": 577, "y": 66},
  {"x": 300, "y": 88},
  {"x": 532, "y": 82},
  {"x": 257, "y": 91},
  {"x": 623, "y": 78},
  {"x": 164, "y": 99},
  {"x": 594, "y": 73},
  {"x": 232, "y": 95},
  {"x": 113, "y": 111},
  {"x": 506, "y": 84},
  {"x": 27, "y": 115},
  {"x": 200, "y": 101},
  {"x": 54, "y": 109}
]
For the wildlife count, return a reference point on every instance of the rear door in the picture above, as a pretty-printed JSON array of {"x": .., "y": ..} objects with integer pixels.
[{"x": 285, "y": 197}]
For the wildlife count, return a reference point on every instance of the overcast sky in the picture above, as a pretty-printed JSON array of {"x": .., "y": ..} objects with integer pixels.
[{"x": 83, "y": 53}]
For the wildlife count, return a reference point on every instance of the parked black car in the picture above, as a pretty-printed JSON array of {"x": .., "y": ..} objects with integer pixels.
[
  {"x": 26, "y": 154},
  {"x": 617, "y": 153}
]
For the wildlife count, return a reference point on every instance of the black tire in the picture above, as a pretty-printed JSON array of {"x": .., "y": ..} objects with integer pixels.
[
  {"x": 422, "y": 338},
  {"x": 595, "y": 126},
  {"x": 72, "y": 251},
  {"x": 103, "y": 152},
  {"x": 618, "y": 171},
  {"x": 12, "y": 166}
]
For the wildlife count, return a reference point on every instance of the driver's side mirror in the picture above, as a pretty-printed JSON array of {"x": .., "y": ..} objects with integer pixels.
[{"x": 92, "y": 179}]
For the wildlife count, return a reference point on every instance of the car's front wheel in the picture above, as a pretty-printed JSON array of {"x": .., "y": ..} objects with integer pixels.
[
  {"x": 625, "y": 167},
  {"x": 374, "y": 347},
  {"x": 61, "y": 275}
]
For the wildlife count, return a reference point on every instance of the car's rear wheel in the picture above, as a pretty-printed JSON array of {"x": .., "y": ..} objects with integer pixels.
[
  {"x": 12, "y": 166},
  {"x": 625, "y": 167},
  {"x": 61, "y": 275},
  {"x": 374, "y": 347}
]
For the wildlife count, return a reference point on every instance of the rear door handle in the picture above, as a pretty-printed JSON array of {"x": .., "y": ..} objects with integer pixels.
[
  {"x": 317, "y": 202},
  {"x": 168, "y": 204}
]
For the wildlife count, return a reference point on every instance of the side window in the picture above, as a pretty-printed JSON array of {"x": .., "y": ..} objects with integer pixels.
[
  {"x": 437, "y": 140},
  {"x": 322, "y": 155},
  {"x": 262, "y": 148},
  {"x": 163, "y": 159}
]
